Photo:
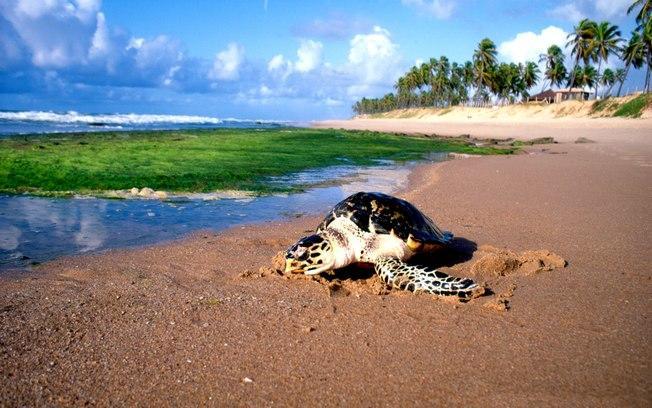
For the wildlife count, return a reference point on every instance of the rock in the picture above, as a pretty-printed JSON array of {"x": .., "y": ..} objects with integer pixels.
[
  {"x": 161, "y": 195},
  {"x": 454, "y": 155},
  {"x": 134, "y": 191},
  {"x": 146, "y": 192},
  {"x": 539, "y": 140},
  {"x": 584, "y": 140}
]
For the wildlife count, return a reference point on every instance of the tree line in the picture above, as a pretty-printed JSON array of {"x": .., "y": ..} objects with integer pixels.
[{"x": 440, "y": 83}]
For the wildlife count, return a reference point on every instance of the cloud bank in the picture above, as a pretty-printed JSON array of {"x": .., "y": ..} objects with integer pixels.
[{"x": 69, "y": 49}]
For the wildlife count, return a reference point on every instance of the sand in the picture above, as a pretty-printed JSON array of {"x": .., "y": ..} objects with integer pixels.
[{"x": 196, "y": 322}]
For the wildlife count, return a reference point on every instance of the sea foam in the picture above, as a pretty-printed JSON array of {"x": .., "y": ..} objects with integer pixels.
[{"x": 114, "y": 119}]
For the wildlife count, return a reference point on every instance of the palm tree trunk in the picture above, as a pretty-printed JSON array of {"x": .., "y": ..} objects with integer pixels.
[
  {"x": 597, "y": 81},
  {"x": 572, "y": 78},
  {"x": 622, "y": 81},
  {"x": 647, "y": 75}
]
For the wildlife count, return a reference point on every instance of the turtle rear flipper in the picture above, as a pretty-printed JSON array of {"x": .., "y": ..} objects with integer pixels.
[{"x": 415, "y": 278}]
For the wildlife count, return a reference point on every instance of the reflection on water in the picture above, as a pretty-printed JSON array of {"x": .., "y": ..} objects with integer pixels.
[{"x": 36, "y": 229}]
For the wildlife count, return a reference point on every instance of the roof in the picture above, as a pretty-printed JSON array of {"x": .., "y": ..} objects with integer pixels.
[
  {"x": 544, "y": 95},
  {"x": 572, "y": 90}
]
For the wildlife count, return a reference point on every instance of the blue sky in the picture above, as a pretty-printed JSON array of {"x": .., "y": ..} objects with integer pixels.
[{"x": 267, "y": 59}]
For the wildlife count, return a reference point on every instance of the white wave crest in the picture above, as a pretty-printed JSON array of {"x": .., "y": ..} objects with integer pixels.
[{"x": 112, "y": 119}]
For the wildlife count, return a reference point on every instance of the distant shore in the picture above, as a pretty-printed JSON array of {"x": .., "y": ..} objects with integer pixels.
[
  {"x": 628, "y": 107},
  {"x": 200, "y": 322}
]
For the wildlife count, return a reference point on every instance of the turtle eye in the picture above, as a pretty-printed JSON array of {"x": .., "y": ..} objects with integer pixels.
[
  {"x": 301, "y": 254},
  {"x": 296, "y": 251}
]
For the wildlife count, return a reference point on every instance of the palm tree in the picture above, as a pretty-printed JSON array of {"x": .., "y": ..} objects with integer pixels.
[
  {"x": 633, "y": 54},
  {"x": 607, "y": 80},
  {"x": 557, "y": 74},
  {"x": 646, "y": 37},
  {"x": 587, "y": 77},
  {"x": 606, "y": 41},
  {"x": 425, "y": 74},
  {"x": 458, "y": 84},
  {"x": 644, "y": 13},
  {"x": 416, "y": 78},
  {"x": 580, "y": 42},
  {"x": 440, "y": 81},
  {"x": 402, "y": 90},
  {"x": 484, "y": 62},
  {"x": 553, "y": 57},
  {"x": 530, "y": 74},
  {"x": 619, "y": 75}
]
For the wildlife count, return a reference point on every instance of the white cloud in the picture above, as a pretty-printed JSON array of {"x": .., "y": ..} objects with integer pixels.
[
  {"x": 227, "y": 63},
  {"x": 569, "y": 12},
  {"x": 277, "y": 62},
  {"x": 441, "y": 9},
  {"x": 373, "y": 57},
  {"x": 528, "y": 45},
  {"x": 100, "y": 44},
  {"x": 265, "y": 91},
  {"x": 34, "y": 9},
  {"x": 57, "y": 33},
  {"x": 135, "y": 43},
  {"x": 308, "y": 59},
  {"x": 280, "y": 67},
  {"x": 161, "y": 51},
  {"x": 309, "y": 55}
]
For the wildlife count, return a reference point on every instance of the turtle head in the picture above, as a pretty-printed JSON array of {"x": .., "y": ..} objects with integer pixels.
[{"x": 311, "y": 255}]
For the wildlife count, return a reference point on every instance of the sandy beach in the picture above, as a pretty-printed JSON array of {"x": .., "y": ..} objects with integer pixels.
[{"x": 196, "y": 322}]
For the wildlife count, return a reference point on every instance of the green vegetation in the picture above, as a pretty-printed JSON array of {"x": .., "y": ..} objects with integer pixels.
[
  {"x": 483, "y": 80},
  {"x": 197, "y": 160},
  {"x": 607, "y": 104},
  {"x": 635, "y": 107}
]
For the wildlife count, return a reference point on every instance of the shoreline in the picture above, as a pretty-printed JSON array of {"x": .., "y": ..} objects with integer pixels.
[{"x": 185, "y": 322}]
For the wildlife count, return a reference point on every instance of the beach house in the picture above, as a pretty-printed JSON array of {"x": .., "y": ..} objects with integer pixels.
[{"x": 560, "y": 95}]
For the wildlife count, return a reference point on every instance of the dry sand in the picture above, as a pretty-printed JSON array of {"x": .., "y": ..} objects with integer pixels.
[{"x": 194, "y": 323}]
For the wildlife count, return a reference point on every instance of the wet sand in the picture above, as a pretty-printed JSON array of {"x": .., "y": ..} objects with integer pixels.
[{"x": 193, "y": 322}]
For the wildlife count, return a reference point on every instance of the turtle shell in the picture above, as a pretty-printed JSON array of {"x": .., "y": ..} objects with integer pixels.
[{"x": 383, "y": 214}]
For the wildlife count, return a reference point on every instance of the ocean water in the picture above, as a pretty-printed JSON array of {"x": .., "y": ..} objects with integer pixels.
[{"x": 27, "y": 122}]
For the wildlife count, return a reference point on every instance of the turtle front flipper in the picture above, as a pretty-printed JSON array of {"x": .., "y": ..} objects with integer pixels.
[{"x": 416, "y": 278}]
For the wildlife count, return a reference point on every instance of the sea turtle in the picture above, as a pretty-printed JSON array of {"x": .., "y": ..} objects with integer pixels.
[{"x": 382, "y": 230}]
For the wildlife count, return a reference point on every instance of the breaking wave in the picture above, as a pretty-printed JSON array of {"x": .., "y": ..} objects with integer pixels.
[{"x": 111, "y": 119}]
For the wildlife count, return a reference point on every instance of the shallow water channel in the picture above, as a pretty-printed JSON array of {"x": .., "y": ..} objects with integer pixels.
[{"x": 34, "y": 229}]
